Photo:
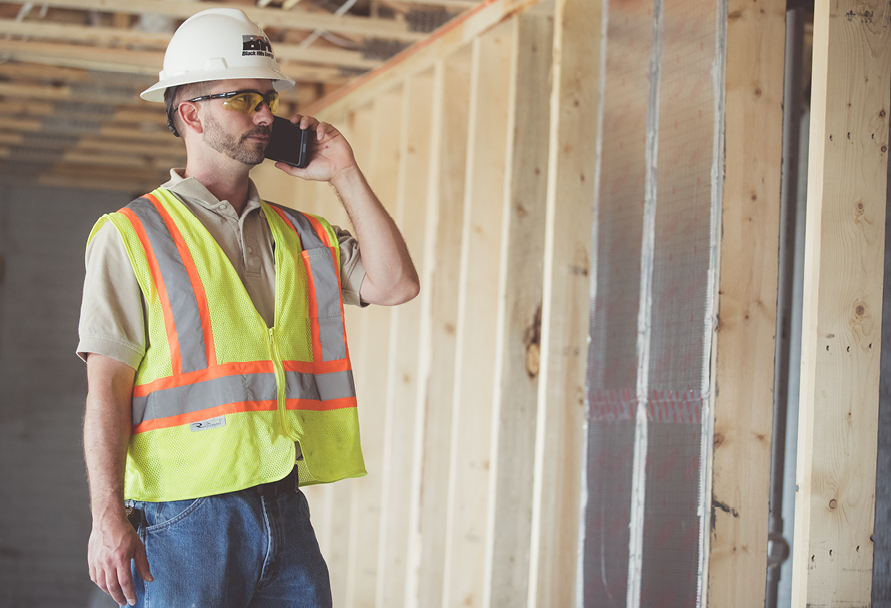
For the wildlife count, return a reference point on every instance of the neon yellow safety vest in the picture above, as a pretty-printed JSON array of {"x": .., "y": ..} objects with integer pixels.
[{"x": 220, "y": 398}]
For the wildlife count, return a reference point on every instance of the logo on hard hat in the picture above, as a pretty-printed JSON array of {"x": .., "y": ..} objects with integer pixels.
[{"x": 256, "y": 45}]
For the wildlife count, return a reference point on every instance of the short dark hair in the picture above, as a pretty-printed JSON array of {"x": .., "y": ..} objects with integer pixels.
[{"x": 173, "y": 96}]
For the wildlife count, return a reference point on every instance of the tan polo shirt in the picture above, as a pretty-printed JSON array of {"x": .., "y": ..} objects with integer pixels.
[{"x": 112, "y": 316}]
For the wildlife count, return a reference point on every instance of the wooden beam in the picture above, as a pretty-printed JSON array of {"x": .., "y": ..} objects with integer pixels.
[
  {"x": 419, "y": 57},
  {"x": 842, "y": 317},
  {"x": 745, "y": 345},
  {"x": 173, "y": 151},
  {"x": 264, "y": 17},
  {"x": 402, "y": 405},
  {"x": 380, "y": 157},
  {"x": 91, "y": 157},
  {"x": 100, "y": 37},
  {"x": 471, "y": 432},
  {"x": 559, "y": 442},
  {"x": 122, "y": 182},
  {"x": 128, "y": 61},
  {"x": 520, "y": 299},
  {"x": 439, "y": 293}
]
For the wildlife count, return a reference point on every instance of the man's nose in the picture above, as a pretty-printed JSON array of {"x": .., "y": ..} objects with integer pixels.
[{"x": 263, "y": 116}]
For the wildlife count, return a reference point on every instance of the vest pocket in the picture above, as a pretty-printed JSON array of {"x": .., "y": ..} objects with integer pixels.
[{"x": 321, "y": 272}]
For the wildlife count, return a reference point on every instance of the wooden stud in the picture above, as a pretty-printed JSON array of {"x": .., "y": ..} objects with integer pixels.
[
  {"x": 447, "y": 40},
  {"x": 439, "y": 294},
  {"x": 402, "y": 381},
  {"x": 519, "y": 299},
  {"x": 477, "y": 319},
  {"x": 564, "y": 334},
  {"x": 381, "y": 160},
  {"x": 744, "y": 343},
  {"x": 842, "y": 317}
]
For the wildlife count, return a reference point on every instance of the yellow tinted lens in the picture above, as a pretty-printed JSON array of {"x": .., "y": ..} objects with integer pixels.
[
  {"x": 248, "y": 103},
  {"x": 244, "y": 103}
]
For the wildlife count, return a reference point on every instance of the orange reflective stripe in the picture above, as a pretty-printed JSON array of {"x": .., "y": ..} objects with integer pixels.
[
  {"x": 315, "y": 332},
  {"x": 320, "y": 406},
  {"x": 282, "y": 215},
  {"x": 194, "y": 278},
  {"x": 317, "y": 367},
  {"x": 320, "y": 230},
  {"x": 169, "y": 325},
  {"x": 213, "y": 412},
  {"x": 211, "y": 373}
]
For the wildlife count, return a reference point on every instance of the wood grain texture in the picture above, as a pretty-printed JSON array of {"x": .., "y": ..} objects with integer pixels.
[
  {"x": 519, "y": 317},
  {"x": 441, "y": 275},
  {"x": 844, "y": 252},
  {"x": 566, "y": 299},
  {"x": 402, "y": 382},
  {"x": 471, "y": 432},
  {"x": 744, "y": 342},
  {"x": 378, "y": 127}
]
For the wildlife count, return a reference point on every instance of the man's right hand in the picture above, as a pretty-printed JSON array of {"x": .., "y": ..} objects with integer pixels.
[{"x": 113, "y": 543}]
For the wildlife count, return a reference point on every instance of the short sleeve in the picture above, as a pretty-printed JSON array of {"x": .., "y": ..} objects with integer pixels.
[
  {"x": 352, "y": 271},
  {"x": 112, "y": 314}
]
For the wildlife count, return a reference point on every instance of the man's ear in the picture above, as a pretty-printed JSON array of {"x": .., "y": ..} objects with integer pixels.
[{"x": 188, "y": 114}]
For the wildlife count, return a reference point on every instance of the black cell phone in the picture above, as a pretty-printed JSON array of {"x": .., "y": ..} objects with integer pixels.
[{"x": 289, "y": 143}]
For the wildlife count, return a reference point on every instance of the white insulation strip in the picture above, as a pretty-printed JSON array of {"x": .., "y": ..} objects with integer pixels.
[
  {"x": 711, "y": 305},
  {"x": 595, "y": 232},
  {"x": 644, "y": 318}
]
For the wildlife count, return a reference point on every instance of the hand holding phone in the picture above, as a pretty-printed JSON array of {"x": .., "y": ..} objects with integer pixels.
[{"x": 289, "y": 143}]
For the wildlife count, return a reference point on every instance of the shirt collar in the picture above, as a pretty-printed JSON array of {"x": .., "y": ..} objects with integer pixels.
[{"x": 195, "y": 190}]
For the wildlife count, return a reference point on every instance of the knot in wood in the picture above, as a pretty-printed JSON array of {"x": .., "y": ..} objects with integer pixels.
[
  {"x": 833, "y": 504},
  {"x": 532, "y": 340}
]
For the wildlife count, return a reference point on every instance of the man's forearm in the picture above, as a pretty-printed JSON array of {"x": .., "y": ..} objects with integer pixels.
[
  {"x": 391, "y": 277},
  {"x": 107, "y": 434}
]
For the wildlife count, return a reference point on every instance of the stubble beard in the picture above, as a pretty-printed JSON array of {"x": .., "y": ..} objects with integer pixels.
[{"x": 236, "y": 148}]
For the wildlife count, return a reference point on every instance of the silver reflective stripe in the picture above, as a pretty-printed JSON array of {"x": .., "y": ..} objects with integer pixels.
[
  {"x": 183, "y": 303},
  {"x": 308, "y": 237},
  {"x": 204, "y": 395},
  {"x": 237, "y": 388},
  {"x": 324, "y": 278},
  {"x": 320, "y": 387}
]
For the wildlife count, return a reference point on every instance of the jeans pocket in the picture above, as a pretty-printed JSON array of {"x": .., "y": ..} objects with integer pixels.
[{"x": 162, "y": 515}]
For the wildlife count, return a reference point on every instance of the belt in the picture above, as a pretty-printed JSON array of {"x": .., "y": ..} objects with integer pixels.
[{"x": 287, "y": 485}]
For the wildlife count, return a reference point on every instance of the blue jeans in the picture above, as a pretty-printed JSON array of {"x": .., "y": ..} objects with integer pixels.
[{"x": 239, "y": 549}]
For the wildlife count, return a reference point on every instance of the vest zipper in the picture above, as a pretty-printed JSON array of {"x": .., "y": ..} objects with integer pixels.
[{"x": 279, "y": 383}]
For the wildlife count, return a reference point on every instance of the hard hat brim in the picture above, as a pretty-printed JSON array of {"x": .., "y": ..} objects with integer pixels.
[{"x": 156, "y": 91}]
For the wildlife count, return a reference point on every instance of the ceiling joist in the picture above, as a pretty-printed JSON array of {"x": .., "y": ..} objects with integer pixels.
[
  {"x": 131, "y": 62},
  {"x": 264, "y": 17},
  {"x": 99, "y": 37}
]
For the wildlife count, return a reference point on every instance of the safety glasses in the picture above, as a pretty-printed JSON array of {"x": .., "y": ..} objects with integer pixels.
[{"x": 245, "y": 102}]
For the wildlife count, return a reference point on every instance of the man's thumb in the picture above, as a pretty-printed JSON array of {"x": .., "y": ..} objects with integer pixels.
[{"x": 142, "y": 565}]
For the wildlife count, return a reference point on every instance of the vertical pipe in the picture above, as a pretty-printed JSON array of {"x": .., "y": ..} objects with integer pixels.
[{"x": 778, "y": 546}]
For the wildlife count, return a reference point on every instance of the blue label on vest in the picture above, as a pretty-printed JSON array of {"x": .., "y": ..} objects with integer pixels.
[{"x": 213, "y": 423}]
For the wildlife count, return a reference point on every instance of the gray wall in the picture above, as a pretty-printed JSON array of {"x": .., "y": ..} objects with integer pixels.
[{"x": 44, "y": 512}]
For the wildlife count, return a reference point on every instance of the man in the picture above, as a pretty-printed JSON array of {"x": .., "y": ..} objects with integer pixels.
[{"x": 216, "y": 356}]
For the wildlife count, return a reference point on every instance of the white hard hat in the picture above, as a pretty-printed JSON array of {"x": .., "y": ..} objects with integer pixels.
[{"x": 217, "y": 44}]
